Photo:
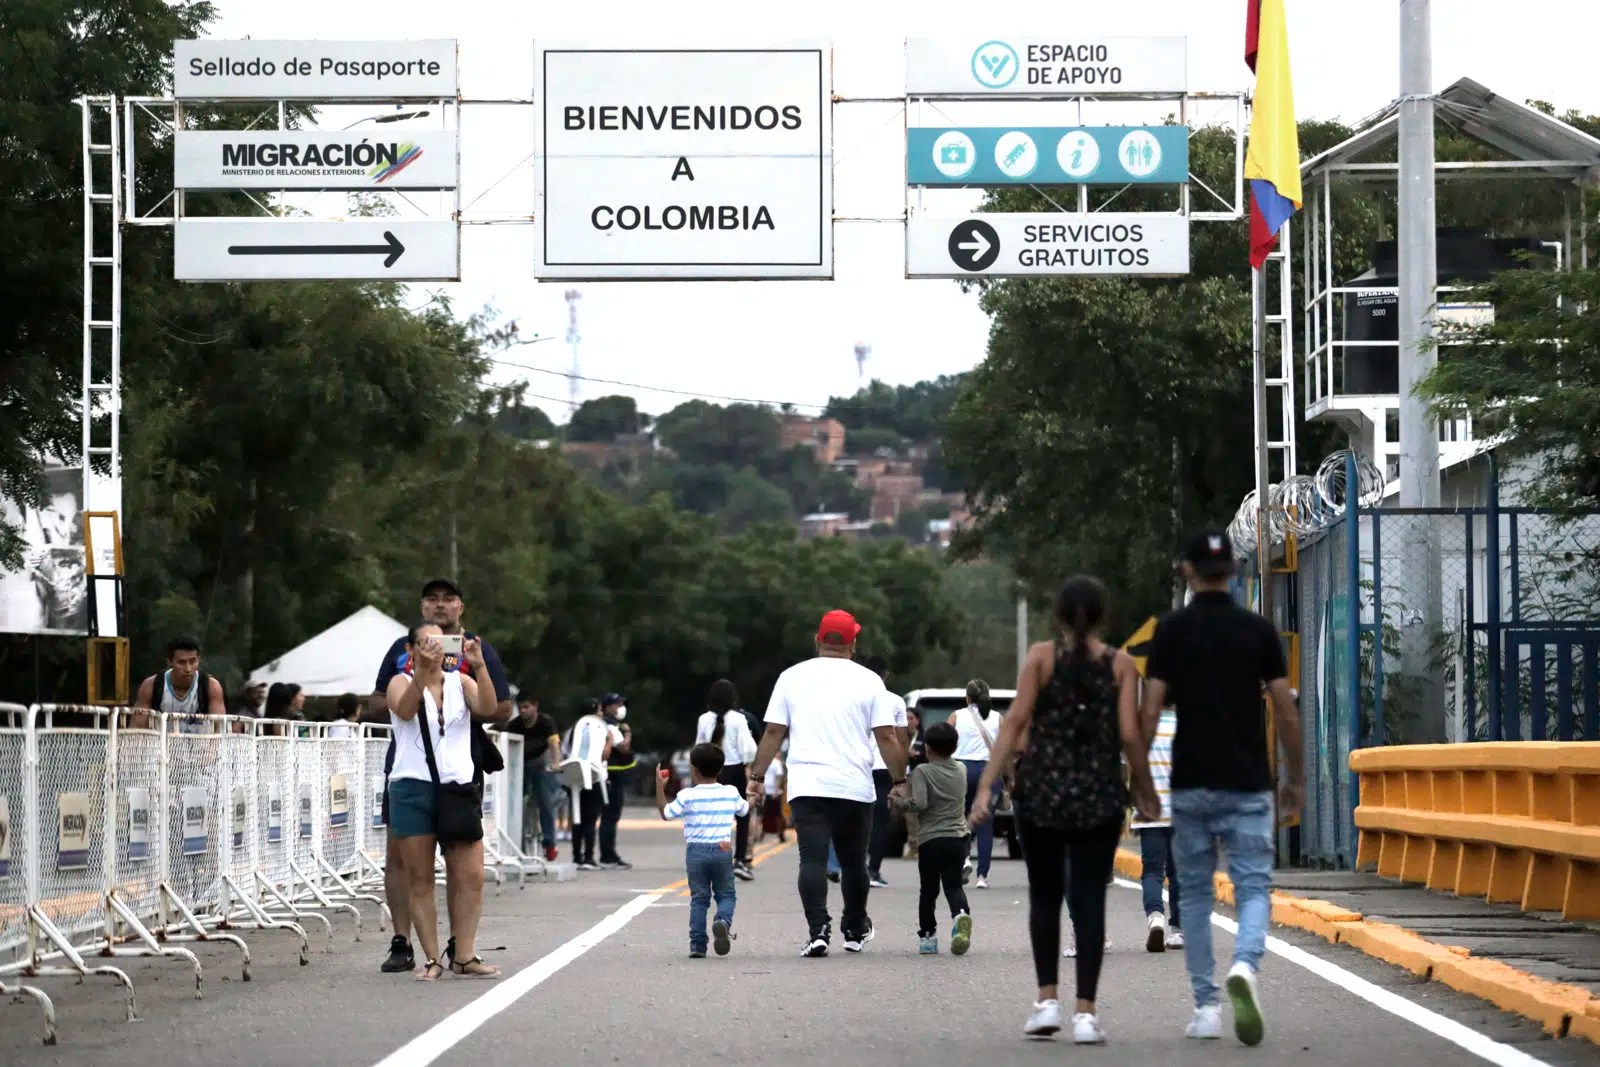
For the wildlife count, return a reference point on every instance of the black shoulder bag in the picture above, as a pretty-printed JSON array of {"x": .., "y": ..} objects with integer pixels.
[{"x": 459, "y": 816}]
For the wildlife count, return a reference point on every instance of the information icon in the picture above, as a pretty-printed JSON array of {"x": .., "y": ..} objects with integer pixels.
[
  {"x": 1016, "y": 155},
  {"x": 1078, "y": 154},
  {"x": 1140, "y": 153},
  {"x": 954, "y": 154}
]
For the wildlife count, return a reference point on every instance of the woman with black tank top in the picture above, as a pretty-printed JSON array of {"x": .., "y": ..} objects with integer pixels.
[{"x": 1076, "y": 704}]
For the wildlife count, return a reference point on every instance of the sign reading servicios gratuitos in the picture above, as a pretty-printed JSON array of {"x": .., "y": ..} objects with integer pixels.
[
  {"x": 314, "y": 70},
  {"x": 684, "y": 163}
]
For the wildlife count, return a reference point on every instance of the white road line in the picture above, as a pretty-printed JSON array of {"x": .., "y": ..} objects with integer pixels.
[
  {"x": 1463, "y": 1037},
  {"x": 448, "y": 1032}
]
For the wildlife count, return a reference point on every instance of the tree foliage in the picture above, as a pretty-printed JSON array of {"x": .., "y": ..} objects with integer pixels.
[
  {"x": 605, "y": 419},
  {"x": 1531, "y": 379}
]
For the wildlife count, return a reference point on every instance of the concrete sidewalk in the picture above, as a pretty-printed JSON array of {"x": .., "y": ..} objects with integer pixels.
[{"x": 1539, "y": 944}]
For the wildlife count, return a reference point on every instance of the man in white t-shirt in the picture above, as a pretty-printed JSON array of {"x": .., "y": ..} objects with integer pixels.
[{"x": 831, "y": 708}]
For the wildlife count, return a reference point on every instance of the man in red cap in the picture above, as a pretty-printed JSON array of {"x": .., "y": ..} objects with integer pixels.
[{"x": 831, "y": 709}]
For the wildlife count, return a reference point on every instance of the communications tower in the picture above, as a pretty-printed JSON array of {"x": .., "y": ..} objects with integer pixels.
[
  {"x": 863, "y": 350},
  {"x": 573, "y": 338}
]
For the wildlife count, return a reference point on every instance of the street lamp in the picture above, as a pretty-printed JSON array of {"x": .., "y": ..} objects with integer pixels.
[{"x": 401, "y": 117}]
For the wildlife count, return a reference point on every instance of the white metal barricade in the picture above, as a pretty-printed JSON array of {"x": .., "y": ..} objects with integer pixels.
[
  {"x": 503, "y": 815},
  {"x": 341, "y": 755},
  {"x": 127, "y": 833},
  {"x": 14, "y": 897},
  {"x": 144, "y": 885},
  {"x": 67, "y": 862},
  {"x": 374, "y": 847}
]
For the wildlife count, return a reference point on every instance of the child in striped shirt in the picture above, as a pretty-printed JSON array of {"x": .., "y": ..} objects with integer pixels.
[
  {"x": 1155, "y": 846},
  {"x": 708, "y": 810}
]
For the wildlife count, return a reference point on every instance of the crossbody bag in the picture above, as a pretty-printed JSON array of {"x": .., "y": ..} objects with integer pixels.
[{"x": 458, "y": 805}]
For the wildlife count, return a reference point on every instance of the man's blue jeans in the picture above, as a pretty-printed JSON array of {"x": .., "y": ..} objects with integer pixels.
[
  {"x": 539, "y": 788},
  {"x": 710, "y": 870},
  {"x": 1243, "y": 824},
  {"x": 1158, "y": 869}
]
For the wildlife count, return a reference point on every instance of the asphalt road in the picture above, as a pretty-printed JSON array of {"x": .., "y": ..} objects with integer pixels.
[{"x": 597, "y": 972}]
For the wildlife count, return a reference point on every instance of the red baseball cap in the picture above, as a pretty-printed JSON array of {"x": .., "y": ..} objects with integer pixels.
[{"x": 841, "y": 625}]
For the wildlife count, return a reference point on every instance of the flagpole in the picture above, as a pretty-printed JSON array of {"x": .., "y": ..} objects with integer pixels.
[{"x": 1258, "y": 303}]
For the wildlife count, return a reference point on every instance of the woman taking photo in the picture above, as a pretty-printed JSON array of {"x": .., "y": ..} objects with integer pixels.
[
  {"x": 1077, "y": 705},
  {"x": 726, "y": 727},
  {"x": 436, "y": 796}
]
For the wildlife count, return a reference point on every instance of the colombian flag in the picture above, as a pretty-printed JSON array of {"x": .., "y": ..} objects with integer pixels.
[{"x": 1272, "y": 161}]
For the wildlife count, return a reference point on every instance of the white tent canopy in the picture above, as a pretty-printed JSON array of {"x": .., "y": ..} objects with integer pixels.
[{"x": 341, "y": 659}]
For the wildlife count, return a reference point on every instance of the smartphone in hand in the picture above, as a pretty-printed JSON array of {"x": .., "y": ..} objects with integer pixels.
[{"x": 451, "y": 643}]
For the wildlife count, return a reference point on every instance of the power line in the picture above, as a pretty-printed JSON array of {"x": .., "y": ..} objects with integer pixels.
[{"x": 654, "y": 388}]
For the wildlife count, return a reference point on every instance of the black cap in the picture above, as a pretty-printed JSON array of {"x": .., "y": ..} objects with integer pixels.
[
  {"x": 442, "y": 583},
  {"x": 610, "y": 699},
  {"x": 588, "y": 706},
  {"x": 1210, "y": 552}
]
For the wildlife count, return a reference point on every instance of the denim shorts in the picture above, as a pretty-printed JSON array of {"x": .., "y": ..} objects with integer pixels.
[{"x": 413, "y": 808}]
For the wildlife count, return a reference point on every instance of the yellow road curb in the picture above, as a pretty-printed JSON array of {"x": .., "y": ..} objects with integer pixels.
[{"x": 1562, "y": 1009}]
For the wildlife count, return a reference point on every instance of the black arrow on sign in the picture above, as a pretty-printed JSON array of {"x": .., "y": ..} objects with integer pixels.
[{"x": 391, "y": 245}]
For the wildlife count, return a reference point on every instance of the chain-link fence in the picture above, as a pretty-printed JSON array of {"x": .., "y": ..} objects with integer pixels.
[{"x": 1438, "y": 625}]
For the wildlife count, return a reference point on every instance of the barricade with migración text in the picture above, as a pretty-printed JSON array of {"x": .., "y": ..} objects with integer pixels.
[
  {"x": 1515, "y": 822},
  {"x": 127, "y": 833}
]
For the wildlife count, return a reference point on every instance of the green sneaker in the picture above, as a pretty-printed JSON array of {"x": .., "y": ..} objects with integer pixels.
[
  {"x": 961, "y": 937},
  {"x": 1242, "y": 992}
]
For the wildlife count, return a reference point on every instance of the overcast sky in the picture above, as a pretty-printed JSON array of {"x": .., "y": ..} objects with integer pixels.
[{"x": 793, "y": 341}]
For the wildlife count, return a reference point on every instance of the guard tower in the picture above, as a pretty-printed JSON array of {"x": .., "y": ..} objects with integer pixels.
[{"x": 1352, "y": 345}]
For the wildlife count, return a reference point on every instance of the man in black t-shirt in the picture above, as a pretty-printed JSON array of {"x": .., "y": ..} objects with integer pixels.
[
  {"x": 541, "y": 756},
  {"x": 1210, "y": 661}
]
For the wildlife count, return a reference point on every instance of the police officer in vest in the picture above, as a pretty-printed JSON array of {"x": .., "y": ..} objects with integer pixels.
[{"x": 619, "y": 773}]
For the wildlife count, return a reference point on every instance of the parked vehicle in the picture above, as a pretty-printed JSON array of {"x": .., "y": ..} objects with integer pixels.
[{"x": 937, "y": 705}]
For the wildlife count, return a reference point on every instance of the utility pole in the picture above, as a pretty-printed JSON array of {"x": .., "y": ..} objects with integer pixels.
[{"x": 1419, "y": 437}]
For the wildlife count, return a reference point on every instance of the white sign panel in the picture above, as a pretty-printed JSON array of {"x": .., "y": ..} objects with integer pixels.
[
  {"x": 305, "y": 811},
  {"x": 72, "y": 833},
  {"x": 684, "y": 163},
  {"x": 138, "y": 823},
  {"x": 1045, "y": 66},
  {"x": 307, "y": 159},
  {"x": 338, "y": 800},
  {"x": 314, "y": 70},
  {"x": 259, "y": 248},
  {"x": 999, "y": 245},
  {"x": 196, "y": 834},
  {"x": 274, "y": 814}
]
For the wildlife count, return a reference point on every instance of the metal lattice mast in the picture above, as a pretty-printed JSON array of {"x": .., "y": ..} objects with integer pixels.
[
  {"x": 573, "y": 339},
  {"x": 102, "y": 305},
  {"x": 862, "y": 352}
]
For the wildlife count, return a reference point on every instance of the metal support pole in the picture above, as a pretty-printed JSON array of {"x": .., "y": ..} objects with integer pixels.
[
  {"x": 1022, "y": 631},
  {"x": 1419, "y": 437},
  {"x": 1258, "y": 299},
  {"x": 1419, "y": 442}
]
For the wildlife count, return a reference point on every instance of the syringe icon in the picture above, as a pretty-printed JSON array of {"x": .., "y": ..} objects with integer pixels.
[{"x": 1016, "y": 153}]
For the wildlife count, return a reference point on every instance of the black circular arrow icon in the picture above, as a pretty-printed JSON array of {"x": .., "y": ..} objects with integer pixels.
[{"x": 974, "y": 245}]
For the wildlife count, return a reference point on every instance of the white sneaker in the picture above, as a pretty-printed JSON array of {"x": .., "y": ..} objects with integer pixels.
[
  {"x": 1174, "y": 937},
  {"x": 1246, "y": 1000},
  {"x": 1086, "y": 1030},
  {"x": 983, "y": 881},
  {"x": 1206, "y": 1025},
  {"x": 1156, "y": 939},
  {"x": 1071, "y": 951},
  {"x": 1045, "y": 1020}
]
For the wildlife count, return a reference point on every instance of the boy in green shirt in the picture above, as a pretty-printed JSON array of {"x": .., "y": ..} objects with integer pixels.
[{"x": 939, "y": 796}]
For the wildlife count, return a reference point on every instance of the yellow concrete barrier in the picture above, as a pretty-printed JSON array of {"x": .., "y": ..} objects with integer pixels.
[{"x": 1515, "y": 822}]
